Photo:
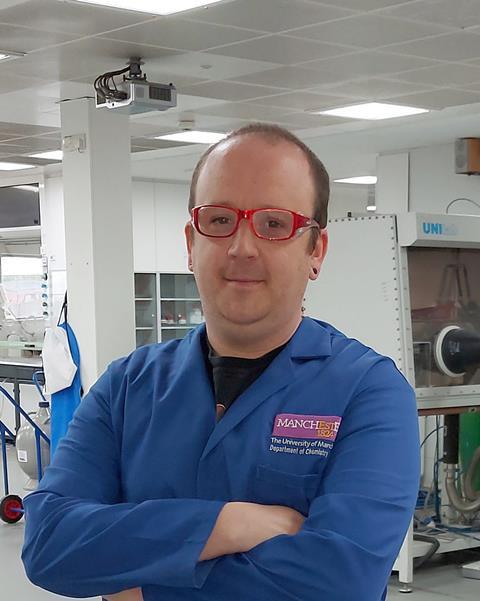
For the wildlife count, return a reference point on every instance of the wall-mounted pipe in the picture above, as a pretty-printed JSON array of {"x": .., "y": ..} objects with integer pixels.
[
  {"x": 468, "y": 486},
  {"x": 450, "y": 458}
]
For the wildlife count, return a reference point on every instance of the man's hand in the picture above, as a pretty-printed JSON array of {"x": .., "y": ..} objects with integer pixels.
[
  {"x": 239, "y": 528},
  {"x": 242, "y": 526},
  {"x": 133, "y": 594}
]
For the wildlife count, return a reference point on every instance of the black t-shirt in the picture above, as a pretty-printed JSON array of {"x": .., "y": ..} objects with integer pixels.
[{"x": 233, "y": 375}]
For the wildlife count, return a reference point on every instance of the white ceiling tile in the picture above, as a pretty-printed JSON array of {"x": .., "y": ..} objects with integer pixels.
[
  {"x": 267, "y": 15},
  {"x": 14, "y": 149},
  {"x": 21, "y": 39},
  {"x": 306, "y": 120},
  {"x": 282, "y": 49},
  {"x": 448, "y": 47},
  {"x": 368, "y": 31},
  {"x": 69, "y": 17},
  {"x": 152, "y": 143},
  {"x": 90, "y": 56},
  {"x": 167, "y": 122},
  {"x": 35, "y": 144},
  {"x": 475, "y": 87},
  {"x": 141, "y": 123},
  {"x": 301, "y": 101},
  {"x": 182, "y": 35},
  {"x": 454, "y": 13},
  {"x": 228, "y": 90},
  {"x": 204, "y": 65},
  {"x": 13, "y": 82},
  {"x": 56, "y": 136},
  {"x": 219, "y": 124},
  {"x": 243, "y": 110},
  {"x": 24, "y": 129},
  {"x": 373, "y": 89},
  {"x": 140, "y": 129},
  {"x": 438, "y": 99},
  {"x": 61, "y": 90},
  {"x": 368, "y": 64},
  {"x": 475, "y": 62},
  {"x": 363, "y": 4},
  {"x": 442, "y": 75},
  {"x": 291, "y": 77}
]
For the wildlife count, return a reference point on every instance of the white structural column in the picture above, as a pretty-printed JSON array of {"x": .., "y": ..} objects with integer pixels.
[
  {"x": 392, "y": 189},
  {"x": 98, "y": 235}
]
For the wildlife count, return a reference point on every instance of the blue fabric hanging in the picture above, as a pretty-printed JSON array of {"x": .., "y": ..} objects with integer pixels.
[{"x": 65, "y": 402}]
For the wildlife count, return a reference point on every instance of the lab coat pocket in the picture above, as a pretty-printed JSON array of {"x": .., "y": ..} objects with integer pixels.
[{"x": 275, "y": 487}]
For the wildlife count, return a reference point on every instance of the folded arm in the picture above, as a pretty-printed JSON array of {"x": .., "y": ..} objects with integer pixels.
[
  {"x": 356, "y": 524},
  {"x": 81, "y": 540}
]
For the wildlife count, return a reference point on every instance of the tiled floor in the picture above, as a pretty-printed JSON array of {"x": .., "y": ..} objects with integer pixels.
[{"x": 437, "y": 582}]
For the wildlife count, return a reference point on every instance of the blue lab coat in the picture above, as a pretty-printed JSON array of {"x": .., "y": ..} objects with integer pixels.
[{"x": 136, "y": 485}]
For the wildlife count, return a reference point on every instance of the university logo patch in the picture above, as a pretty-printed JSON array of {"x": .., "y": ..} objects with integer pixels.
[{"x": 323, "y": 427}]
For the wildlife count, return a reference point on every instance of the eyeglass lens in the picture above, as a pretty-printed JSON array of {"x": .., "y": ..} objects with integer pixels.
[{"x": 267, "y": 223}]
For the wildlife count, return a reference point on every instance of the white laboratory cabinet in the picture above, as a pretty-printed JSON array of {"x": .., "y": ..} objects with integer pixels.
[{"x": 167, "y": 306}]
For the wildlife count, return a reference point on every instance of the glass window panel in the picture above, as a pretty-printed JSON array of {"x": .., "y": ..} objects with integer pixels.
[
  {"x": 179, "y": 285},
  {"x": 21, "y": 283},
  {"x": 194, "y": 313},
  {"x": 174, "y": 313},
  {"x": 173, "y": 334},
  {"x": 19, "y": 206},
  {"x": 145, "y": 285},
  {"x": 444, "y": 291},
  {"x": 145, "y": 337}
]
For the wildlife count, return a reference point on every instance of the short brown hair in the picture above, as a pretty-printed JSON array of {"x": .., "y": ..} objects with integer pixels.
[{"x": 276, "y": 133}]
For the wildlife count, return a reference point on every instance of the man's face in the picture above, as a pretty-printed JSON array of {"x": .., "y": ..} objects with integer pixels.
[{"x": 245, "y": 281}]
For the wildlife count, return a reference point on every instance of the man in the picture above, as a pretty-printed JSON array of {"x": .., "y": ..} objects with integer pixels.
[{"x": 266, "y": 456}]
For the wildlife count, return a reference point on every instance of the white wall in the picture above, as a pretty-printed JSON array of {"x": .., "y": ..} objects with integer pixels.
[
  {"x": 159, "y": 216},
  {"x": 52, "y": 220},
  {"x": 345, "y": 198},
  {"x": 434, "y": 183}
]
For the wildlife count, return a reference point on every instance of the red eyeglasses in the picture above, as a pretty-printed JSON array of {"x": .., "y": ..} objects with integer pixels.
[{"x": 217, "y": 221}]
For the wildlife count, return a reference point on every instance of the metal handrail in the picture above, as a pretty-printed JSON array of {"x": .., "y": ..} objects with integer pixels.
[{"x": 25, "y": 415}]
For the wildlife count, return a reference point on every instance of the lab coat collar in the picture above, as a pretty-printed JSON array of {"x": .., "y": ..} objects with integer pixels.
[{"x": 311, "y": 340}]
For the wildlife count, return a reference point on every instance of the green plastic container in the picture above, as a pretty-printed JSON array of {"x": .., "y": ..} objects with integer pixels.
[{"x": 469, "y": 441}]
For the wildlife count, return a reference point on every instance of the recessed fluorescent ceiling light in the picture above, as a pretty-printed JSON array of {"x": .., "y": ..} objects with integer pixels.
[
  {"x": 371, "y": 208},
  {"x": 5, "y": 54},
  {"x": 360, "y": 179},
  {"x": 28, "y": 188},
  {"x": 56, "y": 155},
  {"x": 155, "y": 7},
  {"x": 194, "y": 137},
  {"x": 15, "y": 166},
  {"x": 373, "y": 111}
]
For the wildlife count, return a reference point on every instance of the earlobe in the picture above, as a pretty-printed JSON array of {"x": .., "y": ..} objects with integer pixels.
[
  {"x": 188, "y": 241},
  {"x": 319, "y": 253}
]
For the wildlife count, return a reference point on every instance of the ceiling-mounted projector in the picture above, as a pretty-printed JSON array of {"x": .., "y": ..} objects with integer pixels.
[{"x": 134, "y": 94}]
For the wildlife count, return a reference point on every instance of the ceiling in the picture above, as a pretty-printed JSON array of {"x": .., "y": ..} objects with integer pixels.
[{"x": 243, "y": 60}]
